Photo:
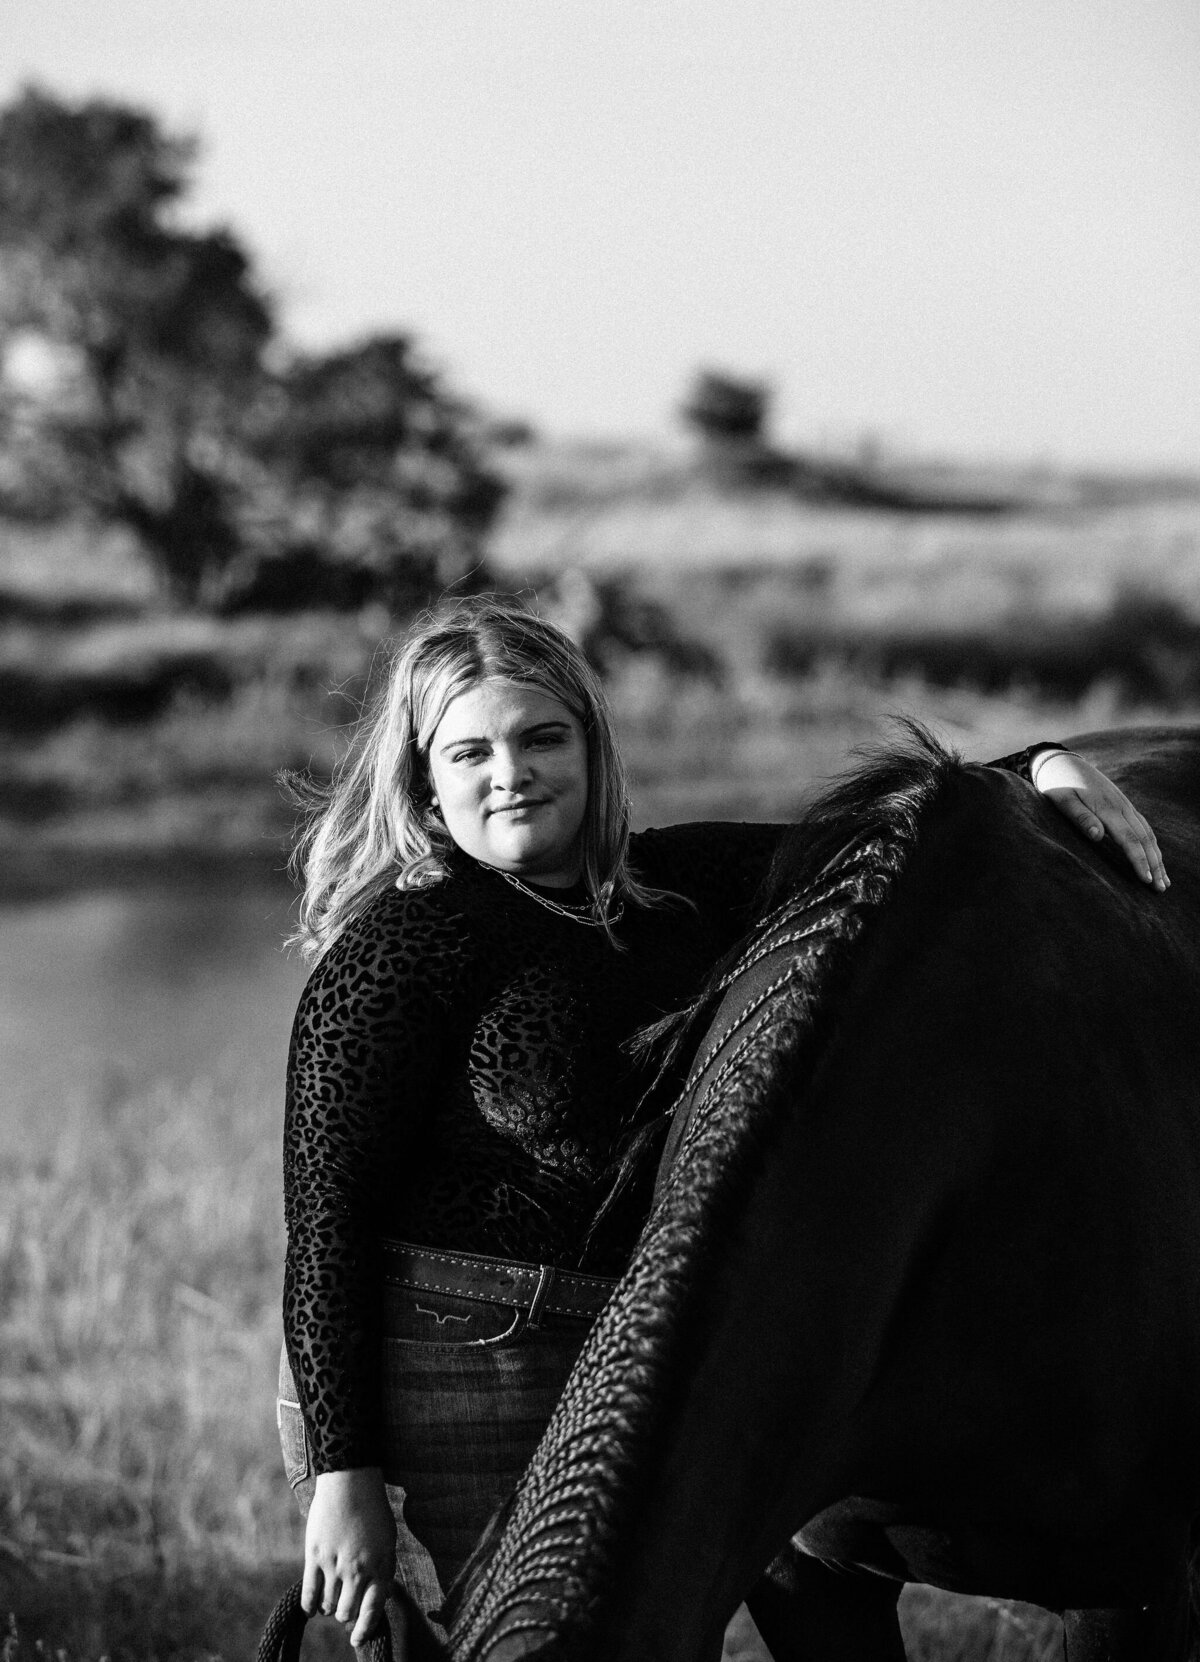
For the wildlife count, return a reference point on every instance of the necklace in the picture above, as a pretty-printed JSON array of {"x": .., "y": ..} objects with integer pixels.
[{"x": 575, "y": 913}]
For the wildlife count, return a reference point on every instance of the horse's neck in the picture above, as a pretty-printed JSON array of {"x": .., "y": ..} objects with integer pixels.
[{"x": 784, "y": 957}]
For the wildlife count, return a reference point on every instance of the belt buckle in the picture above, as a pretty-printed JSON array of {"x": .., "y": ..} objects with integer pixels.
[{"x": 541, "y": 1293}]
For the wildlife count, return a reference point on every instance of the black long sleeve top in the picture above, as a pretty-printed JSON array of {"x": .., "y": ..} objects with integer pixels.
[{"x": 460, "y": 1076}]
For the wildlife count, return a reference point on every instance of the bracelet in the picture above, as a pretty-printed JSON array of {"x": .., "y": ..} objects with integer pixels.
[{"x": 1043, "y": 753}]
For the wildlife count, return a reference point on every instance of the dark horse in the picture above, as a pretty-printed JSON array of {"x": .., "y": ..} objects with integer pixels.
[{"x": 919, "y": 1296}]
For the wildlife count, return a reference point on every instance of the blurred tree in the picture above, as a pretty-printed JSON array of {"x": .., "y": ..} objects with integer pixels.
[
  {"x": 723, "y": 408},
  {"x": 729, "y": 414},
  {"x": 370, "y": 459},
  {"x": 151, "y": 335},
  {"x": 135, "y": 382}
]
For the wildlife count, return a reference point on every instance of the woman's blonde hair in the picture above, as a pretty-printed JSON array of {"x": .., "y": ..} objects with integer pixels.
[{"x": 375, "y": 827}]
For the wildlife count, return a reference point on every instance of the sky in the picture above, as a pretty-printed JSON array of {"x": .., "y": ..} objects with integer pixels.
[{"x": 959, "y": 227}]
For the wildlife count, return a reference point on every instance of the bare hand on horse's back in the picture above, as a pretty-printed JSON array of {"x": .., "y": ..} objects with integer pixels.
[
  {"x": 1094, "y": 805},
  {"x": 350, "y": 1551}
]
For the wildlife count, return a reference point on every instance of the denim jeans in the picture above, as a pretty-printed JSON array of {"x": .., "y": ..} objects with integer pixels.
[{"x": 468, "y": 1389}]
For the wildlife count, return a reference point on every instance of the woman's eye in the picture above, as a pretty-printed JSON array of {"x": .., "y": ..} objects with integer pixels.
[{"x": 468, "y": 755}]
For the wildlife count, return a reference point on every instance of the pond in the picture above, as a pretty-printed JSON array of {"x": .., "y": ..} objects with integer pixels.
[{"x": 116, "y": 989}]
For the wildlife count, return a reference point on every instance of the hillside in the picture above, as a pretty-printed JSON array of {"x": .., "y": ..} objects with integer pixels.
[{"x": 750, "y": 636}]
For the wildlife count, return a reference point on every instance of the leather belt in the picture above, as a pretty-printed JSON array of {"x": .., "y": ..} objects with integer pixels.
[{"x": 540, "y": 1289}]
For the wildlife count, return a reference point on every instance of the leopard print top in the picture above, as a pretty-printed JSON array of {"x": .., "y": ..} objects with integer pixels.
[{"x": 460, "y": 1076}]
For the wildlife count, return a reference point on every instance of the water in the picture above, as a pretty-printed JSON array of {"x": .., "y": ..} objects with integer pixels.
[{"x": 115, "y": 990}]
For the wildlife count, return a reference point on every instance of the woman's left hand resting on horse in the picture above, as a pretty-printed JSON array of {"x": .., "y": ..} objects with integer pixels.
[{"x": 1095, "y": 807}]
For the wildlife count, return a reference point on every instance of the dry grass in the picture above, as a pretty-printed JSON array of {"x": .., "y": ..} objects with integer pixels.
[
  {"x": 1068, "y": 558},
  {"x": 759, "y": 751},
  {"x": 143, "y": 1511}
]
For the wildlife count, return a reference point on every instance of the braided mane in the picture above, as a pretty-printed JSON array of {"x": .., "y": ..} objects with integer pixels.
[{"x": 775, "y": 999}]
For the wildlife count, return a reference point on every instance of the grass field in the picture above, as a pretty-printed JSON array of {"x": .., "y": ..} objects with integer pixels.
[{"x": 142, "y": 1513}]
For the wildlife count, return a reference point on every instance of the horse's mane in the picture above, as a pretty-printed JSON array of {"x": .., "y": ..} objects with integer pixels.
[
  {"x": 831, "y": 878},
  {"x": 873, "y": 807},
  {"x": 884, "y": 796}
]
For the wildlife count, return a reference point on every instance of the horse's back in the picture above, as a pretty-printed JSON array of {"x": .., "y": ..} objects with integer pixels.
[{"x": 1016, "y": 1110}]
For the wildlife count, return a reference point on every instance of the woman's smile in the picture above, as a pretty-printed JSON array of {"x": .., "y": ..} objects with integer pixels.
[{"x": 508, "y": 765}]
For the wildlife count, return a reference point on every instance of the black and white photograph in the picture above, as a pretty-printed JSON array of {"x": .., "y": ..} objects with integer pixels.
[{"x": 600, "y": 831}]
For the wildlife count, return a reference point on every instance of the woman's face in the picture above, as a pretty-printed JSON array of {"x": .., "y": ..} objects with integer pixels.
[{"x": 509, "y": 771}]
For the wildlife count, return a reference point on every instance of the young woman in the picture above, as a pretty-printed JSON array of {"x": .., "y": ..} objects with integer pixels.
[{"x": 487, "y": 938}]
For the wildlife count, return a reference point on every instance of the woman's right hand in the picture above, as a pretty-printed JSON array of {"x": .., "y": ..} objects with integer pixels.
[{"x": 349, "y": 1550}]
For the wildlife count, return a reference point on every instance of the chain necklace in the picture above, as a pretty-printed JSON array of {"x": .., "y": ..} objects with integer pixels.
[{"x": 575, "y": 913}]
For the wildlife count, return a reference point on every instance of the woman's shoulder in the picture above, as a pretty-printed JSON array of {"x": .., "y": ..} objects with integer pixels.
[
  {"x": 395, "y": 905},
  {"x": 397, "y": 959},
  {"x": 423, "y": 924}
]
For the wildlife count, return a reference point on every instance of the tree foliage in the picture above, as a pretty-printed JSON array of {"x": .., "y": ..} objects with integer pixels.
[
  {"x": 370, "y": 482},
  {"x": 724, "y": 408},
  {"x": 158, "y": 331},
  {"x": 159, "y": 406}
]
